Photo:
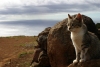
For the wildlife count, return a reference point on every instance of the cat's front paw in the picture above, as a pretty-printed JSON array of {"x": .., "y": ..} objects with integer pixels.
[
  {"x": 82, "y": 60},
  {"x": 75, "y": 61}
]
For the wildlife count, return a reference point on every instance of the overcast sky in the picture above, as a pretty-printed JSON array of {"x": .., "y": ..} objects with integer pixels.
[{"x": 29, "y": 17}]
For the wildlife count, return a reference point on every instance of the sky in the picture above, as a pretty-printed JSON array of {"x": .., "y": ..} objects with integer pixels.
[{"x": 30, "y": 17}]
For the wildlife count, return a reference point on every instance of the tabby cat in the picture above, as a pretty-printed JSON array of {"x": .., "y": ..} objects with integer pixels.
[{"x": 86, "y": 44}]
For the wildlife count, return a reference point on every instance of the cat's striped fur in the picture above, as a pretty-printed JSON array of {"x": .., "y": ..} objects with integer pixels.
[{"x": 86, "y": 44}]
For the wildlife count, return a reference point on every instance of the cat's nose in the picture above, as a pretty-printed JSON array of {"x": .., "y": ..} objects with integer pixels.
[{"x": 69, "y": 28}]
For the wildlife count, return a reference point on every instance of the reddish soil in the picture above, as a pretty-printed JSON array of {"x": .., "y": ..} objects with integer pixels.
[{"x": 16, "y": 51}]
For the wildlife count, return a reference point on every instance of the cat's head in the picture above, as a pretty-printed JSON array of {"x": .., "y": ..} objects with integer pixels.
[{"x": 74, "y": 22}]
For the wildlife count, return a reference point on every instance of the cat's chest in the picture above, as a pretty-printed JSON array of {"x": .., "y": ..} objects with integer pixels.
[
  {"x": 78, "y": 36},
  {"x": 77, "y": 39}
]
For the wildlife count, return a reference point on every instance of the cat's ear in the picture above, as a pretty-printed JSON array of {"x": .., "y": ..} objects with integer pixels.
[
  {"x": 69, "y": 17},
  {"x": 79, "y": 17}
]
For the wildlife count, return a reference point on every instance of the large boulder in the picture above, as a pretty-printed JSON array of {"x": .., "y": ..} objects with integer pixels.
[{"x": 59, "y": 48}]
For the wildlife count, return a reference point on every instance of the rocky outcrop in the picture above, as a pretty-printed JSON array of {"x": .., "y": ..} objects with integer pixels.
[
  {"x": 40, "y": 58},
  {"x": 59, "y": 48}
]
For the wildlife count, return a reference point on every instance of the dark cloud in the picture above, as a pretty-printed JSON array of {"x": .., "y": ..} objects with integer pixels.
[
  {"x": 51, "y": 8},
  {"x": 31, "y": 23}
]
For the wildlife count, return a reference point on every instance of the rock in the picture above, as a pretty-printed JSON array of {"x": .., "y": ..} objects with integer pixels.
[
  {"x": 40, "y": 57},
  {"x": 99, "y": 31},
  {"x": 60, "y": 49},
  {"x": 92, "y": 63},
  {"x": 42, "y": 38},
  {"x": 44, "y": 60}
]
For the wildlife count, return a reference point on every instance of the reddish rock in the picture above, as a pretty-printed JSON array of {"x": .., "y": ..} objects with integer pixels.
[{"x": 59, "y": 48}]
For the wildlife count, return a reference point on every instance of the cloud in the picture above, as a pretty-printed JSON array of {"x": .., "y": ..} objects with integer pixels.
[
  {"x": 28, "y": 17},
  {"x": 25, "y": 27},
  {"x": 30, "y": 23},
  {"x": 49, "y": 6}
]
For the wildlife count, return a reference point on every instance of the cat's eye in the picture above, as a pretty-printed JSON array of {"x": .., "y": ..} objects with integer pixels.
[{"x": 72, "y": 24}]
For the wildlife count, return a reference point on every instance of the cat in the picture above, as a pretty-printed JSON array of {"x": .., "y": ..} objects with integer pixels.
[{"x": 86, "y": 44}]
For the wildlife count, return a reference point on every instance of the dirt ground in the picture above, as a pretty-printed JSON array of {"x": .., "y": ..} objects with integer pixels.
[{"x": 17, "y": 51}]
